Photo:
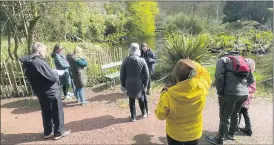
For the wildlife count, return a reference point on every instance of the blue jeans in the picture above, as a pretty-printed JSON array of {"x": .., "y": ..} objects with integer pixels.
[{"x": 80, "y": 94}]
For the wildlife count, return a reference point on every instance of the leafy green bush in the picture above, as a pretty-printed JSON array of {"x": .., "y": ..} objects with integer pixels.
[
  {"x": 182, "y": 47},
  {"x": 184, "y": 23}
]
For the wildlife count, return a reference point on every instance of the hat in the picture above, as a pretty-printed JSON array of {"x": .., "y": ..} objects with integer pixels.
[{"x": 134, "y": 49}]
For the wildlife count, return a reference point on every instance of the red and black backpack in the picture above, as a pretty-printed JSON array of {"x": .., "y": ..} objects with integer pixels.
[{"x": 240, "y": 66}]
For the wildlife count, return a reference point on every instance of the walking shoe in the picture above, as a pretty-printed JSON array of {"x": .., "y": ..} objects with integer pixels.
[
  {"x": 247, "y": 131},
  {"x": 84, "y": 103},
  {"x": 230, "y": 136},
  {"x": 70, "y": 94},
  {"x": 214, "y": 140},
  {"x": 66, "y": 133},
  {"x": 132, "y": 119},
  {"x": 145, "y": 115},
  {"x": 48, "y": 136},
  {"x": 68, "y": 97}
]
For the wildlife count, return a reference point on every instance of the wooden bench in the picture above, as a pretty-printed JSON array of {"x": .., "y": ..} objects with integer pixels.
[{"x": 111, "y": 76}]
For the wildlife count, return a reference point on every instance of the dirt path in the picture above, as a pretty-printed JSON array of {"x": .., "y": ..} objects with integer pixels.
[{"x": 105, "y": 121}]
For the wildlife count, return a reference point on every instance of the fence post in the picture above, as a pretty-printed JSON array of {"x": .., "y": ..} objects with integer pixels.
[
  {"x": 8, "y": 79},
  {"x": 13, "y": 80},
  {"x": 2, "y": 81},
  {"x": 23, "y": 78}
]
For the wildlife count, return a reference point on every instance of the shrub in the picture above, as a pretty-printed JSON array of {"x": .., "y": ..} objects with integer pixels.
[
  {"x": 182, "y": 47},
  {"x": 184, "y": 23}
]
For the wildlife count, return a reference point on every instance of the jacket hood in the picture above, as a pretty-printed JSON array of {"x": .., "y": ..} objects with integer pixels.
[
  {"x": 27, "y": 58},
  {"x": 186, "y": 91}
]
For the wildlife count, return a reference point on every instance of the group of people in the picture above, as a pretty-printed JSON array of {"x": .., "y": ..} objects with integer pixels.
[
  {"x": 180, "y": 104},
  {"x": 73, "y": 74},
  {"x": 46, "y": 83}
]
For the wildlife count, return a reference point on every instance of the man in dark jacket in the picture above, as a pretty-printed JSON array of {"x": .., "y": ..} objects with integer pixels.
[
  {"x": 150, "y": 58},
  {"x": 45, "y": 84},
  {"x": 233, "y": 92}
]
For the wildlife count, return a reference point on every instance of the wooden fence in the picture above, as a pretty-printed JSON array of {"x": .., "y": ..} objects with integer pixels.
[{"x": 14, "y": 84}]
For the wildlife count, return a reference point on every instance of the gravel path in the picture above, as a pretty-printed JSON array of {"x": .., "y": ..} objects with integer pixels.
[{"x": 105, "y": 121}]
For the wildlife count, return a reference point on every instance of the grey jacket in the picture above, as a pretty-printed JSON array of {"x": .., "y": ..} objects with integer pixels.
[
  {"x": 134, "y": 76},
  {"x": 229, "y": 84}
]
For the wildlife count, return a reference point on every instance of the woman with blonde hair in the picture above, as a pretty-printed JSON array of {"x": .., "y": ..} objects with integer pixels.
[
  {"x": 181, "y": 105},
  {"x": 77, "y": 65}
]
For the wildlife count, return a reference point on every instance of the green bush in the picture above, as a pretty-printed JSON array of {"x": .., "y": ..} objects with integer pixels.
[
  {"x": 184, "y": 23},
  {"x": 182, "y": 47}
]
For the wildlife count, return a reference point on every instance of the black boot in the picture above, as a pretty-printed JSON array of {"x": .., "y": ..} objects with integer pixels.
[
  {"x": 214, "y": 140},
  {"x": 247, "y": 131}
]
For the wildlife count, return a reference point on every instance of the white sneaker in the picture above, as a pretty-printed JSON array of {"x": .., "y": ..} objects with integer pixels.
[
  {"x": 84, "y": 103},
  {"x": 66, "y": 133},
  {"x": 70, "y": 94},
  {"x": 144, "y": 116},
  {"x": 48, "y": 136},
  {"x": 68, "y": 97}
]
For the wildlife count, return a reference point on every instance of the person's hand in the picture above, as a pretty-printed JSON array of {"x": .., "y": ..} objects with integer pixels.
[
  {"x": 122, "y": 89},
  {"x": 55, "y": 71}
]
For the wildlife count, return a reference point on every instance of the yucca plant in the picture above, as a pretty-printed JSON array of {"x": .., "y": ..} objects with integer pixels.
[{"x": 182, "y": 47}]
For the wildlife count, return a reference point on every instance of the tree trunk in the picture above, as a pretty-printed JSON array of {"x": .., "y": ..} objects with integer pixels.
[
  {"x": 1, "y": 39},
  {"x": 9, "y": 47},
  {"x": 16, "y": 41},
  {"x": 194, "y": 9},
  {"x": 31, "y": 30},
  {"x": 25, "y": 24}
]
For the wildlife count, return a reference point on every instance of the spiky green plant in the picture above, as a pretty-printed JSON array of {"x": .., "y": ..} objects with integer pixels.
[{"x": 182, "y": 47}]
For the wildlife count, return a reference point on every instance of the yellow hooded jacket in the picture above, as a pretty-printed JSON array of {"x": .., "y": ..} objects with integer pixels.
[{"x": 181, "y": 105}]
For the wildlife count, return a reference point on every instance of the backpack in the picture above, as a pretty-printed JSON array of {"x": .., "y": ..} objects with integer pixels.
[{"x": 240, "y": 66}]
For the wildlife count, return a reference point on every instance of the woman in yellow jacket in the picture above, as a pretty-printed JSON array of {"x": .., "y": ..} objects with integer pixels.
[{"x": 182, "y": 104}]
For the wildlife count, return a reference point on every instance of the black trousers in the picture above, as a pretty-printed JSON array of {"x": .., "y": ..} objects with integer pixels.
[
  {"x": 230, "y": 107},
  {"x": 244, "y": 112},
  {"x": 149, "y": 80},
  {"x": 171, "y": 141},
  {"x": 52, "y": 114},
  {"x": 132, "y": 106},
  {"x": 149, "y": 84},
  {"x": 65, "y": 90},
  {"x": 145, "y": 102}
]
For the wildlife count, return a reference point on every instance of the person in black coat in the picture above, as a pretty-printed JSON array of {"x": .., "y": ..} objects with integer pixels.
[
  {"x": 134, "y": 77},
  {"x": 150, "y": 59},
  {"x": 45, "y": 84}
]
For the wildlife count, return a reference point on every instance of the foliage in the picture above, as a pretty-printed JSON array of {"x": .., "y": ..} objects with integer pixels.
[
  {"x": 247, "y": 10},
  {"x": 182, "y": 47},
  {"x": 143, "y": 17},
  {"x": 184, "y": 24},
  {"x": 211, "y": 70}
]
